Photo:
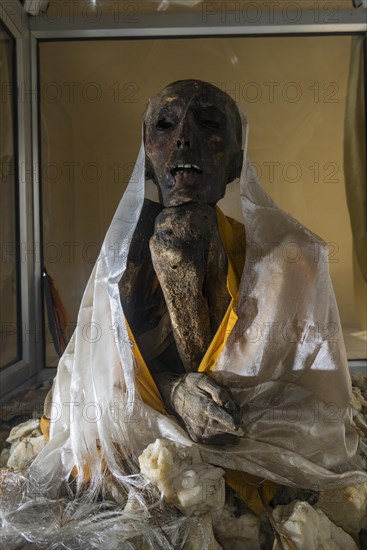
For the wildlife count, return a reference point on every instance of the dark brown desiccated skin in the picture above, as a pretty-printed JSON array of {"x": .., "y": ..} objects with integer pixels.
[
  {"x": 191, "y": 266},
  {"x": 191, "y": 232},
  {"x": 203, "y": 406},
  {"x": 137, "y": 282},
  {"x": 192, "y": 144}
]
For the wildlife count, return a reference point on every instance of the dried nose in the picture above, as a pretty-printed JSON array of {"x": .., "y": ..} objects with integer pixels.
[
  {"x": 185, "y": 133},
  {"x": 183, "y": 142}
]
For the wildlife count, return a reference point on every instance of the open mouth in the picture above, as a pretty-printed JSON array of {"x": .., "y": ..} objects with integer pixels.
[{"x": 186, "y": 168}]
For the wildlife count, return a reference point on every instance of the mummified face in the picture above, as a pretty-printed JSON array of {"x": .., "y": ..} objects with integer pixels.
[{"x": 192, "y": 136}]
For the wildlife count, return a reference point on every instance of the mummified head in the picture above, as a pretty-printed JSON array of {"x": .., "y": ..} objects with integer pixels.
[{"x": 192, "y": 136}]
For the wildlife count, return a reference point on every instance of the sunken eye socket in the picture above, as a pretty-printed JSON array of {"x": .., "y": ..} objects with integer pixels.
[
  {"x": 213, "y": 124},
  {"x": 210, "y": 123},
  {"x": 164, "y": 124}
]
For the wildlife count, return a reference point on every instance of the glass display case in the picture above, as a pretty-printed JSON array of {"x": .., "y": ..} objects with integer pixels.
[
  {"x": 295, "y": 92},
  {"x": 69, "y": 137}
]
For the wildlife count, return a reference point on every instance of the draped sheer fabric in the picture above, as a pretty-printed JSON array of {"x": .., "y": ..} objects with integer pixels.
[{"x": 284, "y": 360}]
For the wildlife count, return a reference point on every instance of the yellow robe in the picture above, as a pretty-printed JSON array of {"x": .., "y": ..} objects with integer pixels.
[{"x": 233, "y": 238}]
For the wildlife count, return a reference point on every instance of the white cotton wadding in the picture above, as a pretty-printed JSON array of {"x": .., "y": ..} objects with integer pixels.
[
  {"x": 123, "y": 511},
  {"x": 25, "y": 452},
  {"x": 302, "y": 527},
  {"x": 184, "y": 480},
  {"x": 28, "y": 428},
  {"x": 27, "y": 442},
  {"x": 236, "y": 532},
  {"x": 346, "y": 507}
]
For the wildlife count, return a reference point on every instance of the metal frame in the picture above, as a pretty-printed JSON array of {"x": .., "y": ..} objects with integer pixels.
[
  {"x": 17, "y": 373},
  {"x": 199, "y": 25},
  {"x": 28, "y": 31},
  {"x": 206, "y": 23}
]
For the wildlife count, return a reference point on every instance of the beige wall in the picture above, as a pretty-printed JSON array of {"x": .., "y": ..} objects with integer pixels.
[{"x": 93, "y": 96}]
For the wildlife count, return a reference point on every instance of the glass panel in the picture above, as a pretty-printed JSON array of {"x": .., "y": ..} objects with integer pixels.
[
  {"x": 93, "y": 95},
  {"x": 241, "y": 11},
  {"x": 10, "y": 349}
]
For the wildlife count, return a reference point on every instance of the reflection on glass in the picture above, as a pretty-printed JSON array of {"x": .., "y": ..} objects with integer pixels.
[
  {"x": 9, "y": 313},
  {"x": 295, "y": 101}
]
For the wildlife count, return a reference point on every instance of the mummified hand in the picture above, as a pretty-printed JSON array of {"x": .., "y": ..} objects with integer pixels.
[{"x": 208, "y": 412}]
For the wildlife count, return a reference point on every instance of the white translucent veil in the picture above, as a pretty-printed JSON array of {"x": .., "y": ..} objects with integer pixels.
[{"x": 284, "y": 361}]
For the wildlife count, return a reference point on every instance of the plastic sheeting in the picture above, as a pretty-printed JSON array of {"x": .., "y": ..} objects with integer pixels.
[{"x": 282, "y": 361}]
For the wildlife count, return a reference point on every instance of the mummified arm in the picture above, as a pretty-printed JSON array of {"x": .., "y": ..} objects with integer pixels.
[
  {"x": 137, "y": 281},
  {"x": 191, "y": 266}
]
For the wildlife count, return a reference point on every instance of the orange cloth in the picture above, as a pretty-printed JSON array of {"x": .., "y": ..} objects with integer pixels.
[
  {"x": 45, "y": 427},
  {"x": 233, "y": 238}
]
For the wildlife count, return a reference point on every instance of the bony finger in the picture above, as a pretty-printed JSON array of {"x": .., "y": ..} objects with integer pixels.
[
  {"x": 221, "y": 397},
  {"x": 223, "y": 420},
  {"x": 218, "y": 394},
  {"x": 192, "y": 379},
  {"x": 234, "y": 410}
]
